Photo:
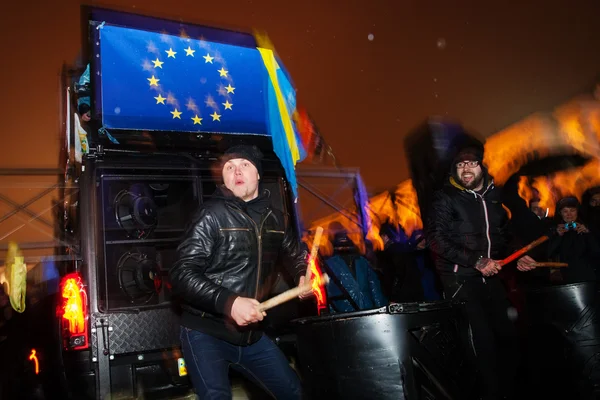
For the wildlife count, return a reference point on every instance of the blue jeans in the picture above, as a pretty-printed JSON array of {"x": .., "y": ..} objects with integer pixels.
[{"x": 208, "y": 359}]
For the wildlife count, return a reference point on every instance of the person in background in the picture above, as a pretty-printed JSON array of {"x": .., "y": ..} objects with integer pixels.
[
  {"x": 590, "y": 210},
  {"x": 534, "y": 206},
  {"x": 354, "y": 285},
  {"x": 572, "y": 243}
]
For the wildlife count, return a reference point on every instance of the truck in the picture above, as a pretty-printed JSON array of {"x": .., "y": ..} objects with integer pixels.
[{"x": 144, "y": 124}]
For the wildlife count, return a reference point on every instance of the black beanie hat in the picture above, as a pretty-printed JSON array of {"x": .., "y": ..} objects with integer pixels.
[
  {"x": 569, "y": 201},
  {"x": 250, "y": 153},
  {"x": 469, "y": 154}
]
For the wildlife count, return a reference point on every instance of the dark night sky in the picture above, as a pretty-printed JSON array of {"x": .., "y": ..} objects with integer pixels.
[{"x": 480, "y": 62}]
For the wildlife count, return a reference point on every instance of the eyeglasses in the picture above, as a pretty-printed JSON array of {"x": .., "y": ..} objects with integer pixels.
[{"x": 470, "y": 164}]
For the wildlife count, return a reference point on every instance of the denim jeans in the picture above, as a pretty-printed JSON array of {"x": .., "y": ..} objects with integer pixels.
[{"x": 208, "y": 359}]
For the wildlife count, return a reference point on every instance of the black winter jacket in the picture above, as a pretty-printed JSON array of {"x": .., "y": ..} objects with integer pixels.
[
  {"x": 226, "y": 254},
  {"x": 464, "y": 226}
]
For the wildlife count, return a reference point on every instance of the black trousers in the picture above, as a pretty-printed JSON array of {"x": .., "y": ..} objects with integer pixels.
[{"x": 491, "y": 334}]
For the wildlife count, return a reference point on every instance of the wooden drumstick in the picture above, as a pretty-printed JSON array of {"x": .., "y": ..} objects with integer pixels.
[
  {"x": 289, "y": 295},
  {"x": 551, "y": 264},
  {"x": 524, "y": 250}
]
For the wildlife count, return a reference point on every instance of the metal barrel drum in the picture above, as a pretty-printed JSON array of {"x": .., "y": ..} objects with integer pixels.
[
  {"x": 402, "y": 351},
  {"x": 566, "y": 319}
]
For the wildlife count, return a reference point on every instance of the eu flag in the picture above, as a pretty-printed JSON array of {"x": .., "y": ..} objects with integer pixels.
[{"x": 154, "y": 81}]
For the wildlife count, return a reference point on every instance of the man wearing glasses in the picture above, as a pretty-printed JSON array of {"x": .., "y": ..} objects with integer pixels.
[{"x": 467, "y": 233}]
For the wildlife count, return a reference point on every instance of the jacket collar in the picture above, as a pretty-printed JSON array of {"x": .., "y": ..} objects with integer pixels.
[{"x": 221, "y": 192}]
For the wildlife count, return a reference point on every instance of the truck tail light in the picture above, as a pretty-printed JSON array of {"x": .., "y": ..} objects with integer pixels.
[{"x": 73, "y": 313}]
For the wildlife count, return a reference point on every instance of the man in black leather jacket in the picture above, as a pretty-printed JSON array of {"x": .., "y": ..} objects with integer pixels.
[
  {"x": 467, "y": 235},
  {"x": 225, "y": 267}
]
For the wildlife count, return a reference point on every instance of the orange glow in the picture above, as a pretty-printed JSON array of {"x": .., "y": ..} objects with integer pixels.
[
  {"x": 33, "y": 357},
  {"x": 573, "y": 182},
  {"x": 570, "y": 129},
  {"x": 74, "y": 303},
  {"x": 318, "y": 286},
  {"x": 402, "y": 208}
]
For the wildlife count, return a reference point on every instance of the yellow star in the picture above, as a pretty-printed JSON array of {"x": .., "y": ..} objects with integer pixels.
[
  {"x": 208, "y": 58},
  {"x": 230, "y": 88},
  {"x": 176, "y": 114},
  {"x": 215, "y": 116},
  {"x": 170, "y": 53},
  {"x": 223, "y": 72},
  {"x": 189, "y": 52},
  {"x": 227, "y": 105},
  {"x": 153, "y": 81},
  {"x": 197, "y": 120},
  {"x": 158, "y": 63},
  {"x": 160, "y": 99}
]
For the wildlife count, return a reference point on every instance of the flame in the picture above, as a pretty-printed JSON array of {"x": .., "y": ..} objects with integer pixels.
[
  {"x": 318, "y": 286},
  {"x": 401, "y": 208},
  {"x": 571, "y": 129},
  {"x": 565, "y": 183}
]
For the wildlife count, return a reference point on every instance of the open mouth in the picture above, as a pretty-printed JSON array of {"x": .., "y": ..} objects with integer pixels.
[
  {"x": 467, "y": 178},
  {"x": 239, "y": 182}
]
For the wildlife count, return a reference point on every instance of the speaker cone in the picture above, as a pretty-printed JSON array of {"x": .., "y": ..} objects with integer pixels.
[
  {"x": 136, "y": 214},
  {"x": 139, "y": 277}
]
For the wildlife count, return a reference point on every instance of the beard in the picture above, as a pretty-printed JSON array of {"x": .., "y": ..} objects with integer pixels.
[{"x": 470, "y": 180}]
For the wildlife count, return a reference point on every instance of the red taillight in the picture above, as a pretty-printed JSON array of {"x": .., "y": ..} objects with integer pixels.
[
  {"x": 73, "y": 312},
  {"x": 318, "y": 286}
]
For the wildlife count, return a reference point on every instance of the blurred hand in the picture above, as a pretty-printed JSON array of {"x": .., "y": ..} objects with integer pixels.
[
  {"x": 560, "y": 229},
  {"x": 244, "y": 311},
  {"x": 581, "y": 228},
  {"x": 306, "y": 294},
  {"x": 488, "y": 267},
  {"x": 526, "y": 263}
]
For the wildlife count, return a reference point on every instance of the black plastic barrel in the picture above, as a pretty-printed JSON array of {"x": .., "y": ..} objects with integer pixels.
[{"x": 403, "y": 351}]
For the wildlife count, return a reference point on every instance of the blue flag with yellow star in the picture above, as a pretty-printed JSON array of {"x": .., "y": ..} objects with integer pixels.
[{"x": 154, "y": 81}]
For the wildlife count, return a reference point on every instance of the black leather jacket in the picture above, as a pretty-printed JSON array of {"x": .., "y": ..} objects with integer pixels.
[
  {"x": 226, "y": 254},
  {"x": 464, "y": 225}
]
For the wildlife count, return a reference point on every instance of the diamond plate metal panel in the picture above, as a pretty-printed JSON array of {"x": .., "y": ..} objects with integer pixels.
[{"x": 131, "y": 333}]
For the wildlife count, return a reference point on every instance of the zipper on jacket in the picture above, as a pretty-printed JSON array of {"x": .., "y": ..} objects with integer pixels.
[
  {"x": 258, "y": 230},
  {"x": 487, "y": 227},
  {"x": 486, "y": 217}
]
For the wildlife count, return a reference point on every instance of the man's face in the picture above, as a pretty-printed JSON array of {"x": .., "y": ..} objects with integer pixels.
[
  {"x": 241, "y": 177},
  {"x": 537, "y": 210},
  {"x": 595, "y": 200},
  {"x": 568, "y": 214},
  {"x": 470, "y": 174}
]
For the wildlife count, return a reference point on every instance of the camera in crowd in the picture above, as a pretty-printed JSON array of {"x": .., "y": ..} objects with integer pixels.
[{"x": 570, "y": 225}]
